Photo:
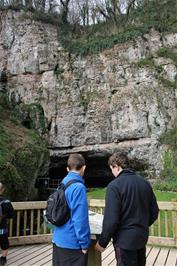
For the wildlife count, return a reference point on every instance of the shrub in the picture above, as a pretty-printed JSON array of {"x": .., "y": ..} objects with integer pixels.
[
  {"x": 169, "y": 157},
  {"x": 168, "y": 53}
]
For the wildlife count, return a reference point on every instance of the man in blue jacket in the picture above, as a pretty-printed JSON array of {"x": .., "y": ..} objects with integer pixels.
[
  {"x": 71, "y": 240},
  {"x": 130, "y": 209}
]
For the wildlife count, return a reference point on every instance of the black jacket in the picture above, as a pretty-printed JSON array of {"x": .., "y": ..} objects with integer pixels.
[
  {"x": 130, "y": 208},
  {"x": 7, "y": 210}
]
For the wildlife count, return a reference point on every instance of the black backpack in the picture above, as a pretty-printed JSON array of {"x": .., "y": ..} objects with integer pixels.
[
  {"x": 57, "y": 210},
  {"x": 2, "y": 215}
]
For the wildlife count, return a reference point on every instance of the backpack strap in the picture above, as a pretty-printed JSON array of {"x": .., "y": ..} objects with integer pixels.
[{"x": 70, "y": 182}]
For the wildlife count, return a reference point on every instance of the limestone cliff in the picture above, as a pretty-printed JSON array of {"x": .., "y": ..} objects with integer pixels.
[{"x": 93, "y": 104}]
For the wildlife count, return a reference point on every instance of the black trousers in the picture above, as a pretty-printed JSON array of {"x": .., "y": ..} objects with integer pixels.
[
  {"x": 130, "y": 257},
  {"x": 68, "y": 257}
]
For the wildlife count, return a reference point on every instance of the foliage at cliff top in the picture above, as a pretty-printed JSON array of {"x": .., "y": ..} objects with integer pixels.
[
  {"x": 159, "y": 15},
  {"x": 87, "y": 28},
  {"x": 22, "y": 155}
]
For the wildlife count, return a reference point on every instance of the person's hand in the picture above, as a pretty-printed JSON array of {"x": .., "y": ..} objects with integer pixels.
[
  {"x": 99, "y": 248},
  {"x": 84, "y": 251}
]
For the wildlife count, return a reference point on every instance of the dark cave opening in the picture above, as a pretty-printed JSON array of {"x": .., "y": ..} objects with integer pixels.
[{"x": 97, "y": 172}]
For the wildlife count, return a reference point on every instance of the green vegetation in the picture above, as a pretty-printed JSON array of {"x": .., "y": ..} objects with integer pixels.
[
  {"x": 168, "y": 53},
  {"x": 149, "y": 62},
  {"x": 86, "y": 97},
  {"x": 22, "y": 155},
  {"x": 169, "y": 172},
  {"x": 111, "y": 26},
  {"x": 32, "y": 116},
  {"x": 146, "y": 62},
  {"x": 94, "y": 44},
  {"x": 96, "y": 193},
  {"x": 167, "y": 83},
  {"x": 118, "y": 28},
  {"x": 99, "y": 193}
]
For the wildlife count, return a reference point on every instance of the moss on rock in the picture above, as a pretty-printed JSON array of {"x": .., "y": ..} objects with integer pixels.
[{"x": 22, "y": 156}]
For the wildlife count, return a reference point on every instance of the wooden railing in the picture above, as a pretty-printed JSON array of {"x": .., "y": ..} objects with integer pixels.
[
  {"x": 28, "y": 225},
  {"x": 163, "y": 231}
]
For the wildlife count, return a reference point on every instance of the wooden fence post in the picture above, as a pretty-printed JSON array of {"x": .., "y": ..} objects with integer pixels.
[{"x": 175, "y": 221}]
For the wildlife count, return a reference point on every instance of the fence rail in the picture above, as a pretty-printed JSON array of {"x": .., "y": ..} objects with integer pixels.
[
  {"x": 163, "y": 231},
  {"x": 28, "y": 225}
]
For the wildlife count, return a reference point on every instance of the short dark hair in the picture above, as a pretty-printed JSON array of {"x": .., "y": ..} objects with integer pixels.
[
  {"x": 75, "y": 161},
  {"x": 120, "y": 159}
]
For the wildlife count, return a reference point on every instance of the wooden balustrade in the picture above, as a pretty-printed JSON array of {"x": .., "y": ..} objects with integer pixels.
[
  {"x": 163, "y": 231},
  {"x": 28, "y": 225}
]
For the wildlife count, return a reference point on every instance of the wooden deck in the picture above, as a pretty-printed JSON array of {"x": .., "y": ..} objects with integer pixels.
[{"x": 41, "y": 254}]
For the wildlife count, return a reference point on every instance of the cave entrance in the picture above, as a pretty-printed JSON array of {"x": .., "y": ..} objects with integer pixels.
[{"x": 97, "y": 172}]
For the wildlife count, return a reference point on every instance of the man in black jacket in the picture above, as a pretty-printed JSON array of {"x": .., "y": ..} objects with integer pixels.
[
  {"x": 130, "y": 208},
  {"x": 6, "y": 212}
]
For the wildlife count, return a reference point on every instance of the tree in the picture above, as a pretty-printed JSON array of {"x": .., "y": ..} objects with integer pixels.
[{"x": 64, "y": 10}]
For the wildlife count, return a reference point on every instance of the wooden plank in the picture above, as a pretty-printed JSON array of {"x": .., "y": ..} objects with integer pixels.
[
  {"x": 175, "y": 229},
  {"x": 109, "y": 257},
  {"x": 44, "y": 227},
  {"x": 32, "y": 255},
  {"x": 18, "y": 250},
  {"x": 172, "y": 258},
  {"x": 107, "y": 251},
  {"x": 25, "y": 222},
  {"x": 159, "y": 224},
  {"x": 152, "y": 230},
  {"x": 29, "y": 205},
  {"x": 38, "y": 222},
  {"x": 166, "y": 223},
  {"x": 47, "y": 261},
  {"x": 18, "y": 223},
  {"x": 41, "y": 255},
  {"x": 113, "y": 262},
  {"x": 13, "y": 249},
  {"x": 96, "y": 203},
  {"x": 31, "y": 222},
  {"x": 163, "y": 205},
  {"x": 161, "y": 241},
  {"x": 23, "y": 240},
  {"x": 10, "y": 227},
  {"x": 152, "y": 256},
  {"x": 148, "y": 249},
  {"x": 162, "y": 257},
  {"x": 92, "y": 203},
  {"x": 40, "y": 259},
  {"x": 21, "y": 255}
]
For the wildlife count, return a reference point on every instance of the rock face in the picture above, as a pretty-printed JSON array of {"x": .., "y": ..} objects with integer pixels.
[{"x": 94, "y": 104}]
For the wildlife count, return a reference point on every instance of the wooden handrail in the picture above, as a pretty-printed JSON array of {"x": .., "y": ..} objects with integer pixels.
[
  {"x": 29, "y": 205},
  {"x": 28, "y": 225}
]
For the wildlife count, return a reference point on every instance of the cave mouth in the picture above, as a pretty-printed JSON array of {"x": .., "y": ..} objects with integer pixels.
[{"x": 97, "y": 173}]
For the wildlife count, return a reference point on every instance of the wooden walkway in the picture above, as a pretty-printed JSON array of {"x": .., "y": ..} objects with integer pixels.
[{"x": 38, "y": 255}]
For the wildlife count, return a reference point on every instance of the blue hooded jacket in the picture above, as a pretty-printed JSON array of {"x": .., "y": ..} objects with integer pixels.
[{"x": 75, "y": 234}]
